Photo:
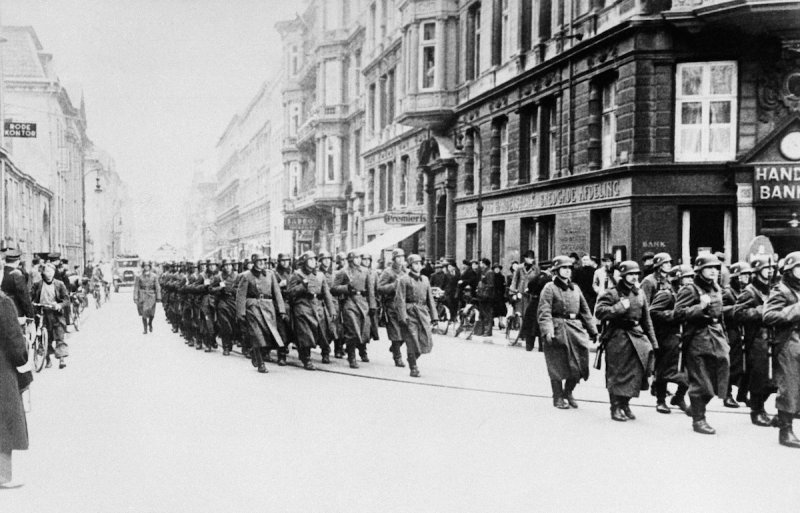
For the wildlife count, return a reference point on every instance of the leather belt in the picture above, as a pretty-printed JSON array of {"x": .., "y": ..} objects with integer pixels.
[
  {"x": 359, "y": 293},
  {"x": 415, "y": 302},
  {"x": 262, "y": 296},
  {"x": 624, "y": 324},
  {"x": 714, "y": 321},
  {"x": 570, "y": 317}
]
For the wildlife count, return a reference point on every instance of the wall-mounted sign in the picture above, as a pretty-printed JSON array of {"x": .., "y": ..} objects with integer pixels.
[
  {"x": 300, "y": 222},
  {"x": 403, "y": 218},
  {"x": 777, "y": 183},
  {"x": 16, "y": 129}
]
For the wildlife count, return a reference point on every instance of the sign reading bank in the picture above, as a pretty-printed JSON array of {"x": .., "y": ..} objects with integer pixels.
[{"x": 777, "y": 183}]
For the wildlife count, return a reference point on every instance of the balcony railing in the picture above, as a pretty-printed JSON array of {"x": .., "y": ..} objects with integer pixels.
[
  {"x": 427, "y": 108},
  {"x": 318, "y": 195}
]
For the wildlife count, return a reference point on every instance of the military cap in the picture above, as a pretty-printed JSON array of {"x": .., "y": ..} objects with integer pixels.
[
  {"x": 791, "y": 261},
  {"x": 366, "y": 256},
  {"x": 285, "y": 256},
  {"x": 341, "y": 256},
  {"x": 225, "y": 261},
  {"x": 661, "y": 258},
  {"x": 683, "y": 271},
  {"x": 211, "y": 261},
  {"x": 414, "y": 259},
  {"x": 561, "y": 261},
  {"x": 740, "y": 268},
  {"x": 629, "y": 267},
  {"x": 706, "y": 260},
  {"x": 192, "y": 265},
  {"x": 398, "y": 252}
]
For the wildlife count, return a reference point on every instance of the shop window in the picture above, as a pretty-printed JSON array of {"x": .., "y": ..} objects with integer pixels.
[
  {"x": 428, "y": 56},
  {"x": 527, "y": 234},
  {"x": 498, "y": 241},
  {"x": 547, "y": 238},
  {"x": 470, "y": 240},
  {"x": 706, "y": 229},
  {"x": 600, "y": 232},
  {"x": 473, "y": 63},
  {"x": 608, "y": 147},
  {"x": 403, "y": 185},
  {"x": 705, "y": 111}
]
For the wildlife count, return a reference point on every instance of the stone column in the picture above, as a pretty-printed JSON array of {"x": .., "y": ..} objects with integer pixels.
[
  {"x": 430, "y": 198},
  {"x": 745, "y": 219},
  {"x": 351, "y": 243},
  {"x": 727, "y": 235},
  {"x": 686, "y": 227},
  {"x": 441, "y": 38},
  {"x": 450, "y": 215}
]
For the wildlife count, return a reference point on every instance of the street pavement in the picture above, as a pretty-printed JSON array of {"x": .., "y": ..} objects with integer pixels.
[{"x": 142, "y": 423}]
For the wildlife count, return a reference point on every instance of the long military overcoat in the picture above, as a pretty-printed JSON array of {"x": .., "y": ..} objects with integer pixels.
[
  {"x": 783, "y": 314},
  {"x": 224, "y": 288},
  {"x": 259, "y": 302},
  {"x": 311, "y": 301},
  {"x": 387, "y": 286},
  {"x": 146, "y": 293},
  {"x": 749, "y": 314},
  {"x": 334, "y": 318},
  {"x": 564, "y": 318},
  {"x": 668, "y": 334},
  {"x": 705, "y": 344},
  {"x": 416, "y": 309},
  {"x": 629, "y": 339},
  {"x": 357, "y": 294}
]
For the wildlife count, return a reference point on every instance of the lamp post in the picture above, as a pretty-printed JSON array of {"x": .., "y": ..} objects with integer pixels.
[{"x": 97, "y": 189}]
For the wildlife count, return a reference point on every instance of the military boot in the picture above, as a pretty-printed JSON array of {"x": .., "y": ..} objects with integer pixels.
[
  {"x": 786, "y": 434},
  {"x": 729, "y": 401},
  {"x": 558, "y": 395},
  {"x": 351, "y": 357},
  {"x": 679, "y": 399},
  {"x": 144, "y": 324},
  {"x": 362, "y": 353},
  {"x": 616, "y": 408},
  {"x": 338, "y": 350},
  {"x": 699, "y": 423},
  {"x": 661, "y": 397},
  {"x": 569, "y": 386},
  {"x": 397, "y": 355},
  {"x": 625, "y": 406},
  {"x": 412, "y": 364},
  {"x": 150, "y": 324},
  {"x": 757, "y": 414},
  {"x": 326, "y": 358}
]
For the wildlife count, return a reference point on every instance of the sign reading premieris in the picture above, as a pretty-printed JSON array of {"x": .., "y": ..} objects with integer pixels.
[
  {"x": 404, "y": 218},
  {"x": 778, "y": 182}
]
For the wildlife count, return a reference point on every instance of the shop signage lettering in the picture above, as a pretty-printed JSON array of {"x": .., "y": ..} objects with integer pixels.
[
  {"x": 25, "y": 130},
  {"x": 295, "y": 222},
  {"x": 579, "y": 194},
  {"x": 654, "y": 244},
  {"x": 777, "y": 183},
  {"x": 403, "y": 218}
]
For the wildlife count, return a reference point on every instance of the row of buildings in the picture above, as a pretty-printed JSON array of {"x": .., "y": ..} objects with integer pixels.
[
  {"x": 466, "y": 128},
  {"x": 60, "y": 193}
]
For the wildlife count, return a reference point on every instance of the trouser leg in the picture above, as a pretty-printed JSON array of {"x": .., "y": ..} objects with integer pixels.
[{"x": 144, "y": 324}]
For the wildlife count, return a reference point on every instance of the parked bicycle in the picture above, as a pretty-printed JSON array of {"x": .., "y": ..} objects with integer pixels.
[
  {"x": 442, "y": 312},
  {"x": 467, "y": 314}
]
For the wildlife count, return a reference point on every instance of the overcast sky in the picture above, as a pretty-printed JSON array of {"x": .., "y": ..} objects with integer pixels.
[{"x": 161, "y": 79}]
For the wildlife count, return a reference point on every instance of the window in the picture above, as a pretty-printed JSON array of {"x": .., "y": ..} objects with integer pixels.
[
  {"x": 477, "y": 164},
  {"x": 548, "y": 123},
  {"x": 357, "y": 152},
  {"x": 382, "y": 188},
  {"x": 529, "y": 145},
  {"x": 382, "y": 113},
  {"x": 384, "y": 18},
  {"x": 294, "y": 179},
  {"x": 600, "y": 231},
  {"x": 371, "y": 109},
  {"x": 403, "y": 185},
  {"x": 545, "y": 19},
  {"x": 371, "y": 192},
  {"x": 527, "y": 234},
  {"x": 331, "y": 159},
  {"x": 547, "y": 238},
  {"x": 294, "y": 119},
  {"x": 505, "y": 31},
  {"x": 390, "y": 186},
  {"x": 472, "y": 231},
  {"x": 373, "y": 25},
  {"x": 294, "y": 57},
  {"x": 428, "y": 56},
  {"x": 705, "y": 111},
  {"x": 503, "y": 126},
  {"x": 498, "y": 241},
  {"x": 608, "y": 149},
  {"x": 333, "y": 82},
  {"x": 473, "y": 64},
  {"x": 390, "y": 100}
]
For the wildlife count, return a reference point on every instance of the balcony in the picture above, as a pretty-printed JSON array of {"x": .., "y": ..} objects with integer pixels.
[
  {"x": 320, "y": 114},
  {"x": 317, "y": 197},
  {"x": 752, "y": 16},
  {"x": 427, "y": 109}
]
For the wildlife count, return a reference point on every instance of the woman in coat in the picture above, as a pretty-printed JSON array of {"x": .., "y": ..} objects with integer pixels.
[
  {"x": 416, "y": 311},
  {"x": 782, "y": 313},
  {"x": 258, "y": 304},
  {"x": 748, "y": 313},
  {"x": 629, "y": 339},
  {"x": 13, "y": 354},
  {"x": 705, "y": 344},
  {"x": 387, "y": 286},
  {"x": 566, "y": 327},
  {"x": 311, "y": 301},
  {"x": 146, "y": 293}
]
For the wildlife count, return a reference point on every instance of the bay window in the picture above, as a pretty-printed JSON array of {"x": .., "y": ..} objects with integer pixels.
[{"x": 428, "y": 56}]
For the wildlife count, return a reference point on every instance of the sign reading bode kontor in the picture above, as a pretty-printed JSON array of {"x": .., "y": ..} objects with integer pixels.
[
  {"x": 777, "y": 183},
  {"x": 15, "y": 129}
]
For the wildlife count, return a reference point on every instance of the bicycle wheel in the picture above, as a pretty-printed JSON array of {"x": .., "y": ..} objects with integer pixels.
[
  {"x": 40, "y": 348},
  {"x": 76, "y": 317}
]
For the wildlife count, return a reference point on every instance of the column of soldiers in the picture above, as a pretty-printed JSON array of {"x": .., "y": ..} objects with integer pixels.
[
  {"x": 682, "y": 326},
  {"x": 308, "y": 302}
]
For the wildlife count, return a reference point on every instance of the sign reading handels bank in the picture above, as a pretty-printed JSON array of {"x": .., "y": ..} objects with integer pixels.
[{"x": 777, "y": 183}]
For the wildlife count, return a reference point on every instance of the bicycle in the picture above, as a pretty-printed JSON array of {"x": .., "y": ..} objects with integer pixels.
[
  {"x": 107, "y": 289},
  {"x": 442, "y": 312},
  {"x": 76, "y": 301},
  {"x": 98, "y": 296},
  {"x": 40, "y": 344},
  {"x": 467, "y": 318}
]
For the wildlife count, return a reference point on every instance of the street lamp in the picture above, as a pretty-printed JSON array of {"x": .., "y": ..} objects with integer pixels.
[{"x": 97, "y": 189}]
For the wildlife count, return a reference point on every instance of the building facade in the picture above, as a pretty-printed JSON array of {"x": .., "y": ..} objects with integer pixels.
[
  {"x": 201, "y": 230},
  {"x": 109, "y": 219},
  {"x": 54, "y": 157}
]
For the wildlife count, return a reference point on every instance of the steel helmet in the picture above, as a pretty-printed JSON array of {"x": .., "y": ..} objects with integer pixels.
[
  {"x": 322, "y": 254},
  {"x": 285, "y": 256},
  {"x": 398, "y": 252},
  {"x": 706, "y": 260},
  {"x": 412, "y": 259},
  {"x": 740, "y": 268},
  {"x": 685, "y": 271},
  {"x": 629, "y": 267},
  {"x": 791, "y": 261},
  {"x": 304, "y": 257},
  {"x": 341, "y": 256},
  {"x": 353, "y": 254},
  {"x": 761, "y": 261},
  {"x": 255, "y": 257},
  {"x": 561, "y": 261},
  {"x": 661, "y": 258}
]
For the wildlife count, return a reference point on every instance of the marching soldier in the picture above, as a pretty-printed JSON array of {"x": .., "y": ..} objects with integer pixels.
[
  {"x": 668, "y": 333},
  {"x": 566, "y": 326},
  {"x": 311, "y": 303},
  {"x": 259, "y": 303},
  {"x": 659, "y": 279},
  {"x": 242, "y": 267},
  {"x": 332, "y": 320},
  {"x": 366, "y": 262},
  {"x": 739, "y": 278},
  {"x": 283, "y": 270},
  {"x": 208, "y": 302},
  {"x": 748, "y": 313},
  {"x": 353, "y": 286},
  {"x": 519, "y": 290},
  {"x": 782, "y": 313},
  {"x": 705, "y": 345},
  {"x": 196, "y": 292},
  {"x": 629, "y": 338},
  {"x": 416, "y": 311},
  {"x": 180, "y": 285},
  {"x": 223, "y": 289},
  {"x": 146, "y": 293},
  {"x": 387, "y": 286}
]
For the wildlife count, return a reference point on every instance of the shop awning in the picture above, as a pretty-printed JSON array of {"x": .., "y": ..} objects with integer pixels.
[{"x": 389, "y": 239}]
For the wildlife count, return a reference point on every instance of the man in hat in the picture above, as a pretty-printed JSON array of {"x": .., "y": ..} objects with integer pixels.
[
  {"x": 604, "y": 275},
  {"x": 486, "y": 300},
  {"x": 146, "y": 293},
  {"x": 387, "y": 286},
  {"x": 521, "y": 295},
  {"x": 416, "y": 311},
  {"x": 739, "y": 278},
  {"x": 14, "y": 284},
  {"x": 52, "y": 293},
  {"x": 311, "y": 303},
  {"x": 332, "y": 331},
  {"x": 647, "y": 263},
  {"x": 353, "y": 286},
  {"x": 222, "y": 287},
  {"x": 259, "y": 304}
]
